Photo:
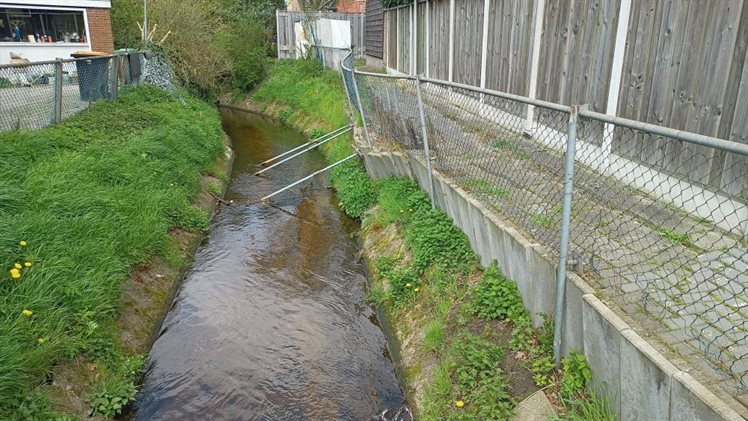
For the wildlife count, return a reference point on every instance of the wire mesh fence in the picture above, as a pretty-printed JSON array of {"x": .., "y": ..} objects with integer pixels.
[
  {"x": 648, "y": 229},
  {"x": 36, "y": 95}
]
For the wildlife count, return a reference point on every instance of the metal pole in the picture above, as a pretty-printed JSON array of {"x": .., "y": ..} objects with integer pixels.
[
  {"x": 145, "y": 21},
  {"x": 296, "y": 183},
  {"x": 360, "y": 106},
  {"x": 424, "y": 133},
  {"x": 315, "y": 145},
  {"x": 58, "y": 91},
  {"x": 304, "y": 145},
  {"x": 571, "y": 141},
  {"x": 345, "y": 85}
]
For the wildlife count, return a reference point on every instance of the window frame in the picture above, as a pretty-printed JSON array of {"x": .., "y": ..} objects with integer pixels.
[{"x": 84, "y": 11}]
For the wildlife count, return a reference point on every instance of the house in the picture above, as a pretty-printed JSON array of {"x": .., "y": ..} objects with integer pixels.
[
  {"x": 41, "y": 30},
  {"x": 340, "y": 6}
]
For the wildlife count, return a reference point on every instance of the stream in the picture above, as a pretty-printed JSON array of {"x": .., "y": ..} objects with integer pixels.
[{"x": 271, "y": 322}]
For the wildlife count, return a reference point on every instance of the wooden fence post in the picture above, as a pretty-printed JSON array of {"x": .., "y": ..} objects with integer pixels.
[
  {"x": 413, "y": 29},
  {"x": 58, "y": 91},
  {"x": 397, "y": 39},
  {"x": 535, "y": 63},
  {"x": 614, "y": 87},
  {"x": 451, "y": 40},
  {"x": 427, "y": 40}
]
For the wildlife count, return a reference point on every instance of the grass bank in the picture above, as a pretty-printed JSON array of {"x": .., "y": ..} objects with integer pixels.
[
  {"x": 467, "y": 346},
  {"x": 81, "y": 205}
]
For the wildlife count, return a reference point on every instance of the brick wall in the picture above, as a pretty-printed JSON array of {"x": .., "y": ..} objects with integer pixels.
[
  {"x": 100, "y": 27},
  {"x": 350, "y": 6}
]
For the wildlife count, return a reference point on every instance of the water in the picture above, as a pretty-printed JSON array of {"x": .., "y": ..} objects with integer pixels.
[{"x": 271, "y": 322}]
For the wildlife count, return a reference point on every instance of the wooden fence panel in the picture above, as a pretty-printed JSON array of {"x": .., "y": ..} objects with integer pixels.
[
  {"x": 390, "y": 38},
  {"x": 576, "y": 51},
  {"x": 403, "y": 59},
  {"x": 468, "y": 41},
  {"x": 374, "y": 29},
  {"x": 421, "y": 38},
  {"x": 677, "y": 73},
  {"x": 684, "y": 66},
  {"x": 439, "y": 39},
  {"x": 510, "y": 32}
]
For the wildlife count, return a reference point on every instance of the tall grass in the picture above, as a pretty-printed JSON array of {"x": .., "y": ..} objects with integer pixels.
[{"x": 91, "y": 198}]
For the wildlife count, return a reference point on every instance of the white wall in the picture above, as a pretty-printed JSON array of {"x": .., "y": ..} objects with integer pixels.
[{"x": 39, "y": 52}]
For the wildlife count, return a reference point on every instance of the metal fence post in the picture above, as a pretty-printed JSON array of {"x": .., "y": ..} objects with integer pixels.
[
  {"x": 571, "y": 141},
  {"x": 360, "y": 106},
  {"x": 424, "y": 133},
  {"x": 58, "y": 91},
  {"x": 115, "y": 78},
  {"x": 345, "y": 84}
]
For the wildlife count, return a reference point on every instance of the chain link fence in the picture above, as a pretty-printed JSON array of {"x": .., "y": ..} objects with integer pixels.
[
  {"x": 40, "y": 94},
  {"x": 647, "y": 228}
]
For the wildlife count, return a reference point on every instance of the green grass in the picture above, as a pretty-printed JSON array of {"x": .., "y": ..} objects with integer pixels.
[
  {"x": 676, "y": 237},
  {"x": 92, "y": 197},
  {"x": 484, "y": 186}
]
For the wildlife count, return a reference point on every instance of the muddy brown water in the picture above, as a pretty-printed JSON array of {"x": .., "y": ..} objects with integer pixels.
[{"x": 271, "y": 322}]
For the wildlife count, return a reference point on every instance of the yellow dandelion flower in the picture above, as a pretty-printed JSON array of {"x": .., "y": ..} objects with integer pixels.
[
  {"x": 18, "y": 266},
  {"x": 417, "y": 289},
  {"x": 401, "y": 211},
  {"x": 410, "y": 210},
  {"x": 27, "y": 312},
  {"x": 23, "y": 244},
  {"x": 459, "y": 404},
  {"x": 27, "y": 264},
  {"x": 40, "y": 341},
  {"x": 408, "y": 285},
  {"x": 15, "y": 274}
]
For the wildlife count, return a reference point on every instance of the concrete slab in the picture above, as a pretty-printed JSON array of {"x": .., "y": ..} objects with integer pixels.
[
  {"x": 573, "y": 336},
  {"x": 536, "y": 407},
  {"x": 646, "y": 376},
  {"x": 690, "y": 400},
  {"x": 602, "y": 345},
  {"x": 542, "y": 283}
]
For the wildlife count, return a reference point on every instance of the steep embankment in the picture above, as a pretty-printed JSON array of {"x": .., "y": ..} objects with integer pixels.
[
  {"x": 101, "y": 213},
  {"x": 464, "y": 342}
]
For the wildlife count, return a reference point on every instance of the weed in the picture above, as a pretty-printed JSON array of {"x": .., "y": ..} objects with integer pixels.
[
  {"x": 483, "y": 186},
  {"x": 542, "y": 220},
  {"x": 496, "y": 297},
  {"x": 433, "y": 337},
  {"x": 377, "y": 295},
  {"x": 676, "y": 237},
  {"x": 479, "y": 380},
  {"x": 576, "y": 374}
]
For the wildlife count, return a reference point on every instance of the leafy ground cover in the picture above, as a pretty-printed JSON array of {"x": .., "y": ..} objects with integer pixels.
[{"x": 81, "y": 204}]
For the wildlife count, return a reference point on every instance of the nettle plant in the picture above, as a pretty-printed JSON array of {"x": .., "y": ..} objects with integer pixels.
[{"x": 577, "y": 374}]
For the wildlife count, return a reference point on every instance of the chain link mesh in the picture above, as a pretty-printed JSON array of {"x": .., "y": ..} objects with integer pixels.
[
  {"x": 28, "y": 91},
  {"x": 648, "y": 228},
  {"x": 27, "y": 96}
]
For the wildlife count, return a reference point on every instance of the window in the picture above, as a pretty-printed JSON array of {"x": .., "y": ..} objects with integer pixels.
[{"x": 41, "y": 25}]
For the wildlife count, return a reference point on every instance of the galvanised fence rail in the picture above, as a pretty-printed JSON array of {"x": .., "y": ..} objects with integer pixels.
[
  {"x": 39, "y": 94},
  {"x": 666, "y": 247}
]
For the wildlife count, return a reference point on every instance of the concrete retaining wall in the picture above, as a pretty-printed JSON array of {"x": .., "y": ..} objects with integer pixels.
[{"x": 638, "y": 381}]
